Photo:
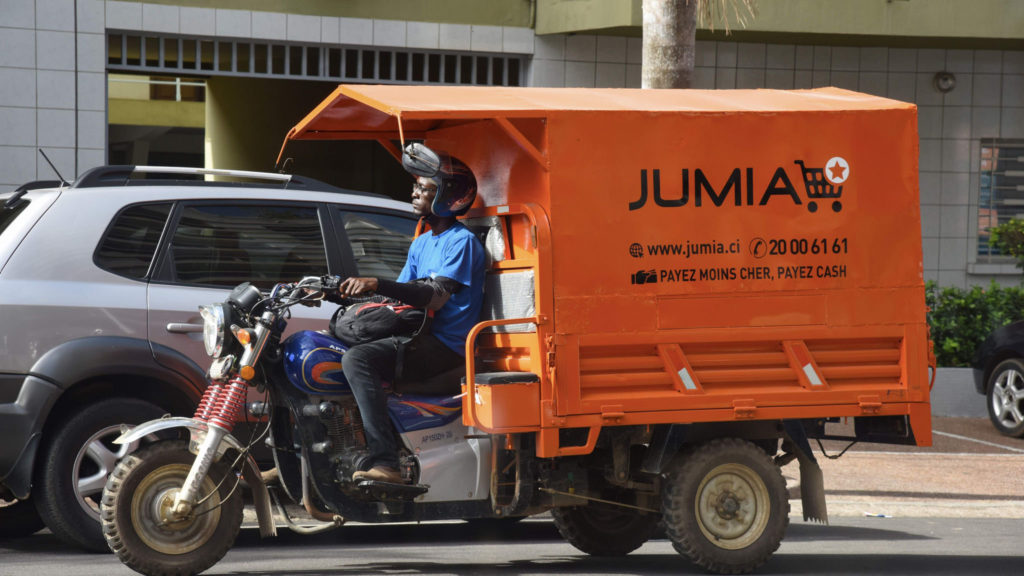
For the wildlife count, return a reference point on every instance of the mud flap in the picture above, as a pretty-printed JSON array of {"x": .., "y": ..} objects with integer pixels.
[{"x": 812, "y": 481}]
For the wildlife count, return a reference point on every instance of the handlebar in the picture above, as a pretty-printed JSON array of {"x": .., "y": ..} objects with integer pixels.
[
  {"x": 312, "y": 290},
  {"x": 308, "y": 291}
]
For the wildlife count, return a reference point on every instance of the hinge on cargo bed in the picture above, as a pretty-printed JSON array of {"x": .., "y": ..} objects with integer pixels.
[
  {"x": 612, "y": 413},
  {"x": 869, "y": 404},
  {"x": 744, "y": 408}
]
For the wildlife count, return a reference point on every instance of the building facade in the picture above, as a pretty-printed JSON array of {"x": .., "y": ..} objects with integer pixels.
[{"x": 68, "y": 69}]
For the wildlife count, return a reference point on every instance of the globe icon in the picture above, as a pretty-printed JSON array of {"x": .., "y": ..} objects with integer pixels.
[{"x": 636, "y": 250}]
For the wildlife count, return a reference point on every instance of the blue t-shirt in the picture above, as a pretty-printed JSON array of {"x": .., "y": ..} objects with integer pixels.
[{"x": 456, "y": 254}]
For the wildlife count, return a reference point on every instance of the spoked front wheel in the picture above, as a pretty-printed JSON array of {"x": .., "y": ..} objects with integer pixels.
[{"x": 137, "y": 517}]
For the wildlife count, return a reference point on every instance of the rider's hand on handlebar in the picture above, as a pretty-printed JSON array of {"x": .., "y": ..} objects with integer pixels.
[{"x": 354, "y": 286}]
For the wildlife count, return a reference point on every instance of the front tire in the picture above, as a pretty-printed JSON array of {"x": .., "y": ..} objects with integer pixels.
[
  {"x": 74, "y": 466},
  {"x": 136, "y": 520},
  {"x": 1006, "y": 398},
  {"x": 725, "y": 506},
  {"x": 601, "y": 529}
]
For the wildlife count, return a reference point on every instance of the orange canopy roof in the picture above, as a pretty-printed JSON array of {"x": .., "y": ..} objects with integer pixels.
[{"x": 359, "y": 111}]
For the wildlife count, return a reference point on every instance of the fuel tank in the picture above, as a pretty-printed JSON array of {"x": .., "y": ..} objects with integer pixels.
[{"x": 312, "y": 362}]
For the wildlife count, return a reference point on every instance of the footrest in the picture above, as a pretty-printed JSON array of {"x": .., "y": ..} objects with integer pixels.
[{"x": 387, "y": 491}]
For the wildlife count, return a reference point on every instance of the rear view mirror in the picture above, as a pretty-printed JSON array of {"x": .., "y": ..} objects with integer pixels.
[{"x": 419, "y": 160}]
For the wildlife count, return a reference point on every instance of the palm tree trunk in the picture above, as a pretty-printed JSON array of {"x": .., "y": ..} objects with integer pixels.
[{"x": 669, "y": 30}]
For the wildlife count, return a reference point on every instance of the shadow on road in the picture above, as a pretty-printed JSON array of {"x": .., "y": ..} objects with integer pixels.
[
  {"x": 449, "y": 533},
  {"x": 819, "y": 533},
  {"x": 525, "y": 531},
  {"x": 644, "y": 564},
  {"x": 889, "y": 564}
]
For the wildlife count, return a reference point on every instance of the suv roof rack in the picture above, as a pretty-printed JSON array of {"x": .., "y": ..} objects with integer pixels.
[
  {"x": 124, "y": 175},
  {"x": 37, "y": 184}
]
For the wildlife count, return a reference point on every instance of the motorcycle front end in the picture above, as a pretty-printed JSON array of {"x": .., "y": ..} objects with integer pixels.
[{"x": 175, "y": 505}]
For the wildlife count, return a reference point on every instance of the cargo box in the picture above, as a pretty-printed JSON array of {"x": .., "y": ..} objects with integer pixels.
[{"x": 666, "y": 256}]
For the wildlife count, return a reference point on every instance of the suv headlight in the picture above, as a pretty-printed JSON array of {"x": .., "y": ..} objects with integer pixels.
[{"x": 214, "y": 329}]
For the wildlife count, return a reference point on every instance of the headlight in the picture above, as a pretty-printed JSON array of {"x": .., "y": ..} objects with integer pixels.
[{"x": 213, "y": 329}]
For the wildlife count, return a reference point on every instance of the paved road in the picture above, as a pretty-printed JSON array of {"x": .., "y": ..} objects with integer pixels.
[
  {"x": 855, "y": 545},
  {"x": 954, "y": 508}
]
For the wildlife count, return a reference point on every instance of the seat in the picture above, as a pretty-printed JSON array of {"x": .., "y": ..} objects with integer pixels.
[{"x": 448, "y": 383}]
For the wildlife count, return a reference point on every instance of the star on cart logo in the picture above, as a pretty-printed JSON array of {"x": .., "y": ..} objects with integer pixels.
[
  {"x": 837, "y": 170},
  {"x": 745, "y": 187}
]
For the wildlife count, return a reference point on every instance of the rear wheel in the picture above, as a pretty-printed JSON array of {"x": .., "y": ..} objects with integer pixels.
[
  {"x": 601, "y": 529},
  {"x": 137, "y": 519},
  {"x": 725, "y": 506},
  {"x": 74, "y": 466},
  {"x": 1006, "y": 398},
  {"x": 18, "y": 518}
]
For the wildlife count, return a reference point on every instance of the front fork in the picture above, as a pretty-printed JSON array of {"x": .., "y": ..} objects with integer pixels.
[{"x": 219, "y": 409}]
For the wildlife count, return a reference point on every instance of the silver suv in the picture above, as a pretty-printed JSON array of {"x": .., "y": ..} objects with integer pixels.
[{"x": 100, "y": 283}]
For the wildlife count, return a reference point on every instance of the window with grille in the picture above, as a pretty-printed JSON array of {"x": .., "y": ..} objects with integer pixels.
[
  {"x": 172, "y": 55},
  {"x": 1001, "y": 188}
]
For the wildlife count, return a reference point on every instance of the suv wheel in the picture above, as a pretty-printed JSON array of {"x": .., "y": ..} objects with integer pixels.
[
  {"x": 74, "y": 466},
  {"x": 1006, "y": 398}
]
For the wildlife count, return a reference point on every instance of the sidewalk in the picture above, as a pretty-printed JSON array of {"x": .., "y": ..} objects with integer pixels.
[{"x": 970, "y": 472}]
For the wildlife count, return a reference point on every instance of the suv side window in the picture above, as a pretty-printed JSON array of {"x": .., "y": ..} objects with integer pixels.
[
  {"x": 379, "y": 242},
  {"x": 128, "y": 245},
  {"x": 225, "y": 245}
]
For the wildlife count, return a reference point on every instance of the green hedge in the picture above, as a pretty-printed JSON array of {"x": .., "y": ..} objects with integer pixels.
[{"x": 961, "y": 319}]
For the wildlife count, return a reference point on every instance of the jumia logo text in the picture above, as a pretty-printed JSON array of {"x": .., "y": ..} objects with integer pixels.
[{"x": 740, "y": 189}]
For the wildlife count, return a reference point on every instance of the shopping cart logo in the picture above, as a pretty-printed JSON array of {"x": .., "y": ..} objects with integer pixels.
[{"x": 823, "y": 184}]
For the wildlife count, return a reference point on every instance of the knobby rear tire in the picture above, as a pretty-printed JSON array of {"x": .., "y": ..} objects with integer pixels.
[{"x": 725, "y": 506}]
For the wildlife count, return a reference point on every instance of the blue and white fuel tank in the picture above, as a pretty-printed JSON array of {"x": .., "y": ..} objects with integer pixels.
[{"x": 312, "y": 362}]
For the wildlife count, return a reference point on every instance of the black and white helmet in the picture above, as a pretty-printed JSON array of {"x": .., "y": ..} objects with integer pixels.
[{"x": 456, "y": 185}]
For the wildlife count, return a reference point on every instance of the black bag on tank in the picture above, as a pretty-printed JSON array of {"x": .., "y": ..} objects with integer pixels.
[{"x": 369, "y": 321}]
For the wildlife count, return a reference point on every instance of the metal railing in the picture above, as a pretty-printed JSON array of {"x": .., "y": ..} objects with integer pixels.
[{"x": 169, "y": 55}]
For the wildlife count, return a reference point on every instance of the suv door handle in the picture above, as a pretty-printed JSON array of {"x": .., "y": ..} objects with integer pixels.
[{"x": 182, "y": 328}]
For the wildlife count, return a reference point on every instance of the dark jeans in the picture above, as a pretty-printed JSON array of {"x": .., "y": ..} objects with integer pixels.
[{"x": 367, "y": 365}]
